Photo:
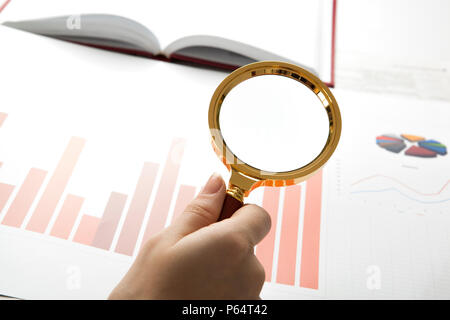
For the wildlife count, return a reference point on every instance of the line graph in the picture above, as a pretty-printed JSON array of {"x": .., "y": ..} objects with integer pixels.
[
  {"x": 446, "y": 184},
  {"x": 402, "y": 194}
]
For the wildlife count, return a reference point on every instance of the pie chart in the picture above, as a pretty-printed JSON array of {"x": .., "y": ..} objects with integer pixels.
[{"x": 415, "y": 146}]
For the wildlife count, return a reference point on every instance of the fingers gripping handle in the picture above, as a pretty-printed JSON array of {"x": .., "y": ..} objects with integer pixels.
[{"x": 230, "y": 206}]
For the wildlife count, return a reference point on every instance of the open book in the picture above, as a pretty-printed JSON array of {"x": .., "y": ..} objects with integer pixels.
[{"x": 200, "y": 32}]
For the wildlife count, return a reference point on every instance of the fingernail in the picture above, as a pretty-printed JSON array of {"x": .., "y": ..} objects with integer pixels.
[{"x": 213, "y": 185}]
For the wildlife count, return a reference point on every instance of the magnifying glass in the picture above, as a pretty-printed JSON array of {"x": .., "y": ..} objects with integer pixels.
[{"x": 272, "y": 124}]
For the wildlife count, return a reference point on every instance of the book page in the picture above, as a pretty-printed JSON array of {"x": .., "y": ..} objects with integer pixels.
[{"x": 298, "y": 30}]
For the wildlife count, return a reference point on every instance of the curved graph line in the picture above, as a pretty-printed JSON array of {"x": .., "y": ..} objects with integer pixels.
[
  {"x": 403, "y": 184},
  {"x": 401, "y": 193}
]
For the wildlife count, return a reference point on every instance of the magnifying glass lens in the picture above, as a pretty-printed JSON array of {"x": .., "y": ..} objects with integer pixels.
[{"x": 274, "y": 123}]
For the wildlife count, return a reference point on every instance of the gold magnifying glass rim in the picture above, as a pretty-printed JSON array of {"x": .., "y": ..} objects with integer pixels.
[{"x": 294, "y": 72}]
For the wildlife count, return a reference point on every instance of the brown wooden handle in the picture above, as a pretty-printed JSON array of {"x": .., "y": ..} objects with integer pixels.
[{"x": 230, "y": 206}]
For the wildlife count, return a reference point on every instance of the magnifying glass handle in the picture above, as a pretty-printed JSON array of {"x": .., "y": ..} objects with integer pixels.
[{"x": 230, "y": 206}]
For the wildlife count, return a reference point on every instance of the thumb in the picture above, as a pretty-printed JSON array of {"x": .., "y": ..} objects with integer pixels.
[
  {"x": 203, "y": 210},
  {"x": 252, "y": 222}
]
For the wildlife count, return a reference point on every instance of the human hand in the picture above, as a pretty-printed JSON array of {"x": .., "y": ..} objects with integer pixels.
[{"x": 197, "y": 257}]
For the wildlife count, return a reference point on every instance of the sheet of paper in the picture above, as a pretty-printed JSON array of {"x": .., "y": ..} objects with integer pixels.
[
  {"x": 86, "y": 132},
  {"x": 389, "y": 213},
  {"x": 297, "y": 30},
  {"x": 382, "y": 47},
  {"x": 85, "y": 136}
]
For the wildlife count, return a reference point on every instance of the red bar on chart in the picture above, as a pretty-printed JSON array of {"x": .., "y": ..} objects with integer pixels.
[
  {"x": 264, "y": 250},
  {"x": 288, "y": 238},
  {"x": 5, "y": 192},
  {"x": 2, "y": 117},
  {"x": 67, "y": 217},
  {"x": 309, "y": 267},
  {"x": 86, "y": 230},
  {"x": 24, "y": 198},
  {"x": 55, "y": 188},
  {"x": 110, "y": 219},
  {"x": 160, "y": 209},
  {"x": 138, "y": 206},
  {"x": 3, "y": 6},
  {"x": 185, "y": 195}
]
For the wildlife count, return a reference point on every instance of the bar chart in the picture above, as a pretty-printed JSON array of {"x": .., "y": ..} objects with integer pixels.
[
  {"x": 94, "y": 231},
  {"x": 52, "y": 202},
  {"x": 289, "y": 233}
]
